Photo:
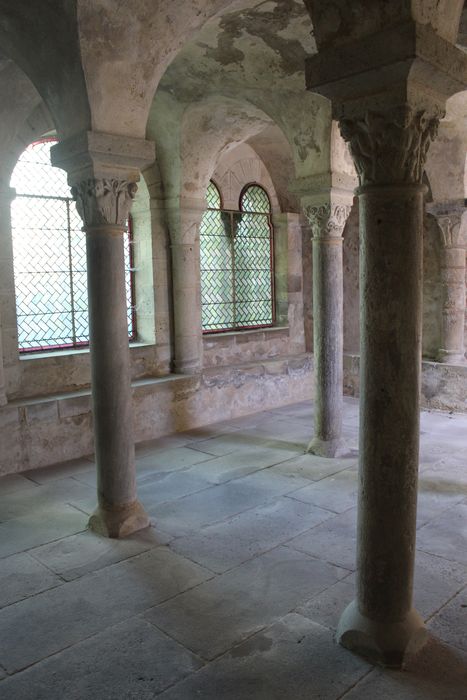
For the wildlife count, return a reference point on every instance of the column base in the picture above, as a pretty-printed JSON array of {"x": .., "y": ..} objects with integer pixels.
[
  {"x": 327, "y": 448},
  {"x": 187, "y": 368},
  {"x": 119, "y": 521},
  {"x": 384, "y": 643},
  {"x": 453, "y": 358}
]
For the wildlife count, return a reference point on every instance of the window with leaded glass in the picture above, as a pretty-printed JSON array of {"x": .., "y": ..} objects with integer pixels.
[
  {"x": 236, "y": 262},
  {"x": 49, "y": 256}
]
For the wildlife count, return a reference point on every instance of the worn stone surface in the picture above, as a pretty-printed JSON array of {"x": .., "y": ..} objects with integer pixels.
[
  {"x": 130, "y": 659},
  {"x": 21, "y": 576},
  {"x": 65, "y": 615},
  {"x": 136, "y": 610},
  {"x": 292, "y": 656},
  {"x": 277, "y": 581}
]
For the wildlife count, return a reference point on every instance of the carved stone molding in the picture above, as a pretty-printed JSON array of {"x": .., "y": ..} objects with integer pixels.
[
  {"x": 104, "y": 200},
  {"x": 390, "y": 147},
  {"x": 327, "y": 220}
]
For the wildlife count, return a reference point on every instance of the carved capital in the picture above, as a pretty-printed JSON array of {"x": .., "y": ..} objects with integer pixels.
[
  {"x": 327, "y": 220},
  {"x": 104, "y": 200},
  {"x": 453, "y": 234},
  {"x": 390, "y": 147}
]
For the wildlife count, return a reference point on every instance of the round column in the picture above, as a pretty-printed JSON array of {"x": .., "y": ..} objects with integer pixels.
[
  {"x": 381, "y": 623},
  {"x": 327, "y": 222},
  {"x": 187, "y": 307},
  {"x": 7, "y": 295},
  {"x": 453, "y": 285},
  {"x": 381, "y": 620},
  {"x": 104, "y": 206}
]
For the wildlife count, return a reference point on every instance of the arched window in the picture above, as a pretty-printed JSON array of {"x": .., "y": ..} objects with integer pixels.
[
  {"x": 49, "y": 250},
  {"x": 236, "y": 262}
]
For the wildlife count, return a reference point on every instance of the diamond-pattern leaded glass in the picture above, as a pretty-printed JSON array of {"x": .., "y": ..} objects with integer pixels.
[
  {"x": 236, "y": 269},
  {"x": 49, "y": 253}
]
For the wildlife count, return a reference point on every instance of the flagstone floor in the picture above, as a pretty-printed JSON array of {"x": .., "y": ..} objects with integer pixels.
[{"x": 235, "y": 592}]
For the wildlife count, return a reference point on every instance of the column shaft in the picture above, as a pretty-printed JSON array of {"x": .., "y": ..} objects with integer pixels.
[
  {"x": 453, "y": 310},
  {"x": 391, "y": 303},
  {"x": 327, "y": 222},
  {"x": 328, "y": 344},
  {"x": 187, "y": 307},
  {"x": 113, "y": 420},
  {"x": 119, "y": 513}
]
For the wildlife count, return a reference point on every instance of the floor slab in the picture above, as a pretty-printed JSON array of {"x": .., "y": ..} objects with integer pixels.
[
  {"x": 51, "y": 621},
  {"x": 130, "y": 660},
  {"x": 214, "y": 616},
  {"x": 225, "y": 545},
  {"x": 295, "y": 658}
]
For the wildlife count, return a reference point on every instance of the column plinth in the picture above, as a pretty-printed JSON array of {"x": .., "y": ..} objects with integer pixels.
[
  {"x": 384, "y": 643},
  {"x": 327, "y": 222}
]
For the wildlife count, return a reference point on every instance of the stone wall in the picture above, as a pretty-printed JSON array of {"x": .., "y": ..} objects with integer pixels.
[
  {"x": 443, "y": 386},
  {"x": 55, "y": 428}
]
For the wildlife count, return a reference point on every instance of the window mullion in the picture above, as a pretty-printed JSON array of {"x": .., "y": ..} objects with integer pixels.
[{"x": 232, "y": 248}]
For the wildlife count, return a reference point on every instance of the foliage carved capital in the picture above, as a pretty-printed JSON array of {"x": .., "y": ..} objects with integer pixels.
[
  {"x": 327, "y": 220},
  {"x": 104, "y": 200},
  {"x": 391, "y": 147}
]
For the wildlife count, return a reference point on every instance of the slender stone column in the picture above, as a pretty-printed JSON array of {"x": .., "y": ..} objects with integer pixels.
[
  {"x": 188, "y": 340},
  {"x": 104, "y": 206},
  {"x": 389, "y": 151},
  {"x": 327, "y": 223},
  {"x": 453, "y": 246},
  {"x": 389, "y": 115},
  {"x": 103, "y": 201},
  {"x": 7, "y": 300}
]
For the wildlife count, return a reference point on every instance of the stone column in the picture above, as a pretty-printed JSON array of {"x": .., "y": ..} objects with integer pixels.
[
  {"x": 327, "y": 221},
  {"x": 3, "y": 398},
  {"x": 103, "y": 202},
  {"x": 388, "y": 115},
  {"x": 185, "y": 221},
  {"x": 389, "y": 150},
  {"x": 452, "y": 224},
  {"x": 7, "y": 298}
]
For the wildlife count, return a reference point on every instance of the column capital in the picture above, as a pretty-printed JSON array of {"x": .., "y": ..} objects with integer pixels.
[
  {"x": 104, "y": 201},
  {"x": 103, "y": 170},
  {"x": 391, "y": 147},
  {"x": 388, "y": 93},
  {"x": 452, "y": 222},
  {"x": 327, "y": 215}
]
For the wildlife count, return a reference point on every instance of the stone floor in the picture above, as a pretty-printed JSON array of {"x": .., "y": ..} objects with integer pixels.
[{"x": 236, "y": 590}]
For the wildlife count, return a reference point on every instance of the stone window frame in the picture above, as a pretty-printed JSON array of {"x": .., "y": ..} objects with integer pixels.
[{"x": 256, "y": 326}]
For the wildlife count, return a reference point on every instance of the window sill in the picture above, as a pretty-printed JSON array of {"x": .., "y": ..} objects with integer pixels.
[
  {"x": 246, "y": 334},
  {"x": 67, "y": 352}
]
